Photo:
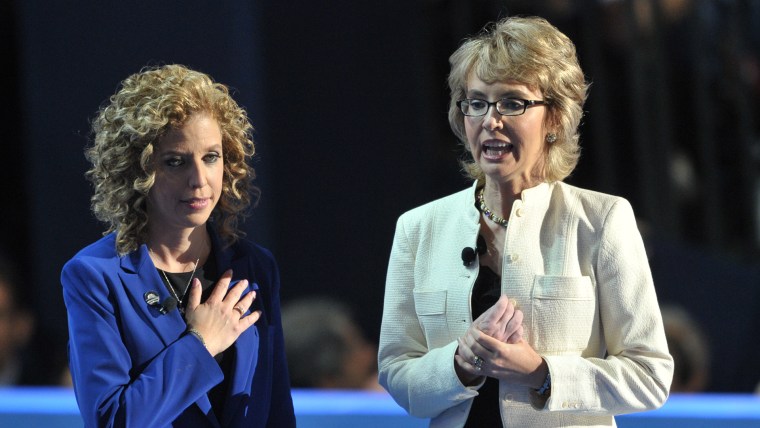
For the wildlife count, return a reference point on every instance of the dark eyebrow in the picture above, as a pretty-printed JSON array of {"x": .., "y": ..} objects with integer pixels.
[{"x": 506, "y": 94}]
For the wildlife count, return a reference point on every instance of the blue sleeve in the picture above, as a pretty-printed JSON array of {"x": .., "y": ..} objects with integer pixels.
[{"x": 112, "y": 389}]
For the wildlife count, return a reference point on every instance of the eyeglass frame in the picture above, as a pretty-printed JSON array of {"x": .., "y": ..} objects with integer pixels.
[{"x": 495, "y": 104}]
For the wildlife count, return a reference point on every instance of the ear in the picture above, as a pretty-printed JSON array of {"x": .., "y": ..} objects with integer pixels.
[{"x": 551, "y": 121}]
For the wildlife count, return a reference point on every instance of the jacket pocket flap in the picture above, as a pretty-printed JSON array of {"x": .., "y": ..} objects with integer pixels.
[
  {"x": 430, "y": 302},
  {"x": 563, "y": 287}
]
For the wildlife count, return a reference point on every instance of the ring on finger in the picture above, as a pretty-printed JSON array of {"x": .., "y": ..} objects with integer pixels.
[
  {"x": 478, "y": 363},
  {"x": 240, "y": 310}
]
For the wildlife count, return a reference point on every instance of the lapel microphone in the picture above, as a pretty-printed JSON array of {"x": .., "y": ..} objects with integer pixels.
[
  {"x": 469, "y": 254},
  {"x": 152, "y": 299}
]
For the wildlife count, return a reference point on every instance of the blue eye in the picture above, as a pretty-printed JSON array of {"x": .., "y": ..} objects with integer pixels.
[
  {"x": 477, "y": 105},
  {"x": 174, "y": 162},
  {"x": 509, "y": 105},
  {"x": 212, "y": 157}
]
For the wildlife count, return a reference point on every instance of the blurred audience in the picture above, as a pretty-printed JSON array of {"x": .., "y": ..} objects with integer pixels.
[
  {"x": 689, "y": 348},
  {"x": 326, "y": 348},
  {"x": 16, "y": 327}
]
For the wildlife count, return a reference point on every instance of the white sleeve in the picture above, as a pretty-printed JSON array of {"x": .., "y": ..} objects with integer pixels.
[
  {"x": 421, "y": 380},
  {"x": 638, "y": 369}
]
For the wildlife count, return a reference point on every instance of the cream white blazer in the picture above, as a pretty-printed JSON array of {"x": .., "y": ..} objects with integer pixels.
[{"x": 575, "y": 262}]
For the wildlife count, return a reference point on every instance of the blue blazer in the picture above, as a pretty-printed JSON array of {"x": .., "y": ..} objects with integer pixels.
[{"x": 132, "y": 366}]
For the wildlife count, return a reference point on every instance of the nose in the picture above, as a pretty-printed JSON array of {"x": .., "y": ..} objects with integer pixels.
[
  {"x": 492, "y": 120},
  {"x": 196, "y": 175}
]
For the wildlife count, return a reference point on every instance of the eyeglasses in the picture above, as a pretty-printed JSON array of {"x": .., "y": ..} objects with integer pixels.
[{"x": 475, "y": 107}]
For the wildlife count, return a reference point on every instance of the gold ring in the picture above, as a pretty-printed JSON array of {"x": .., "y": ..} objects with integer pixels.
[{"x": 239, "y": 310}]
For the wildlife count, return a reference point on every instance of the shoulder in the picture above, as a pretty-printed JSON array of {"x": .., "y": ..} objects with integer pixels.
[
  {"x": 89, "y": 270},
  {"x": 582, "y": 194},
  {"x": 596, "y": 209},
  {"x": 100, "y": 252},
  {"x": 587, "y": 200},
  {"x": 439, "y": 222},
  {"x": 449, "y": 205},
  {"x": 246, "y": 248},
  {"x": 260, "y": 260}
]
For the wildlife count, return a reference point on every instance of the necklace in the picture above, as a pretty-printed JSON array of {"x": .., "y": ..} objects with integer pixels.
[
  {"x": 487, "y": 211},
  {"x": 171, "y": 287}
]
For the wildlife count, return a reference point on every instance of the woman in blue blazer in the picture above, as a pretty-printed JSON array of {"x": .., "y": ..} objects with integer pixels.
[{"x": 174, "y": 320}]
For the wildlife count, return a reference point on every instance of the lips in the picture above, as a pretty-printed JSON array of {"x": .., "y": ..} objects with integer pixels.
[
  {"x": 197, "y": 203},
  {"x": 494, "y": 149}
]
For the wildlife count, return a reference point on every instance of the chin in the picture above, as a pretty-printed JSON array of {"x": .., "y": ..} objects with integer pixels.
[
  {"x": 197, "y": 220},
  {"x": 496, "y": 172}
]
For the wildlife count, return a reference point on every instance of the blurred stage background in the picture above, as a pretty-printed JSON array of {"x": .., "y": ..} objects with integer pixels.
[
  {"x": 349, "y": 100},
  {"x": 56, "y": 408}
]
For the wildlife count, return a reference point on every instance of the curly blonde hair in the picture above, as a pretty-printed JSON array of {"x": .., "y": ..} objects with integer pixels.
[
  {"x": 126, "y": 128},
  {"x": 531, "y": 51}
]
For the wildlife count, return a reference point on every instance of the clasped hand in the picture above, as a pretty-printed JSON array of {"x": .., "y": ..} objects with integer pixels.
[
  {"x": 493, "y": 346},
  {"x": 219, "y": 320}
]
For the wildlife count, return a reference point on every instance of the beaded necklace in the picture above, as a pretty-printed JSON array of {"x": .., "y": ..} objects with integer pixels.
[{"x": 487, "y": 211}]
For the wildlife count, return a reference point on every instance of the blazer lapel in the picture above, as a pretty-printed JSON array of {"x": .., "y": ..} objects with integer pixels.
[
  {"x": 139, "y": 275},
  {"x": 464, "y": 234}
]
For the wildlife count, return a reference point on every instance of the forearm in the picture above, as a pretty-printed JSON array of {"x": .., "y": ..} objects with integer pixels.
[
  {"x": 122, "y": 376},
  {"x": 109, "y": 393},
  {"x": 425, "y": 385}
]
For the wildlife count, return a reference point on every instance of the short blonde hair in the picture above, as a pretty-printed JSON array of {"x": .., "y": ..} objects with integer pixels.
[
  {"x": 535, "y": 53},
  {"x": 126, "y": 129}
]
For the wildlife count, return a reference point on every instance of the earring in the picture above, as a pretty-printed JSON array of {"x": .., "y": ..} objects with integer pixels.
[{"x": 550, "y": 138}]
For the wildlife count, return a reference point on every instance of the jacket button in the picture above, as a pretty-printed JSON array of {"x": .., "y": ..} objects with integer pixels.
[{"x": 519, "y": 212}]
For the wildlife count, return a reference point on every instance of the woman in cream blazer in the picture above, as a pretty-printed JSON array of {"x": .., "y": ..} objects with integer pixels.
[{"x": 579, "y": 337}]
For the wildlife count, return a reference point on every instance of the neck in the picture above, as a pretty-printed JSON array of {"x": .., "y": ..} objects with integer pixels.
[
  {"x": 177, "y": 253},
  {"x": 501, "y": 196}
]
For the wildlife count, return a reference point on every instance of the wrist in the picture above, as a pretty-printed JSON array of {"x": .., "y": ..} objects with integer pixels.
[
  {"x": 543, "y": 385},
  {"x": 193, "y": 332},
  {"x": 546, "y": 388},
  {"x": 465, "y": 378},
  {"x": 537, "y": 377}
]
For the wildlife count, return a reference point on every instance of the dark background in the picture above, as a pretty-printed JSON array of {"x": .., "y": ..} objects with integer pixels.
[{"x": 349, "y": 100}]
